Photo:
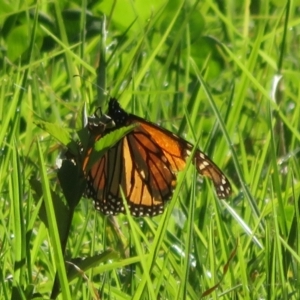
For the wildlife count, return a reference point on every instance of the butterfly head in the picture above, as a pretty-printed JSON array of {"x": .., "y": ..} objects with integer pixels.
[{"x": 118, "y": 115}]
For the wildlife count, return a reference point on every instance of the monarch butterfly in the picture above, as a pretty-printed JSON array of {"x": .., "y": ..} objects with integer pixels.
[{"x": 143, "y": 164}]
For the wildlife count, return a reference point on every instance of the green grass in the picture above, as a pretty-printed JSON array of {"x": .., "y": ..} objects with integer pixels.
[{"x": 205, "y": 71}]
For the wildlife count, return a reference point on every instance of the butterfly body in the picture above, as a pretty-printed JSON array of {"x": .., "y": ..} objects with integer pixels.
[{"x": 143, "y": 164}]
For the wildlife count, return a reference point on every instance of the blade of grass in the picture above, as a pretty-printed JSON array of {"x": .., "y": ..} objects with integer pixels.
[
  {"x": 53, "y": 229},
  {"x": 145, "y": 264},
  {"x": 183, "y": 291},
  {"x": 18, "y": 218}
]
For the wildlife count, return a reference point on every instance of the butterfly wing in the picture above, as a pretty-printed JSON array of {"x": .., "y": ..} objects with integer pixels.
[
  {"x": 178, "y": 150},
  {"x": 138, "y": 166},
  {"x": 143, "y": 165}
]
